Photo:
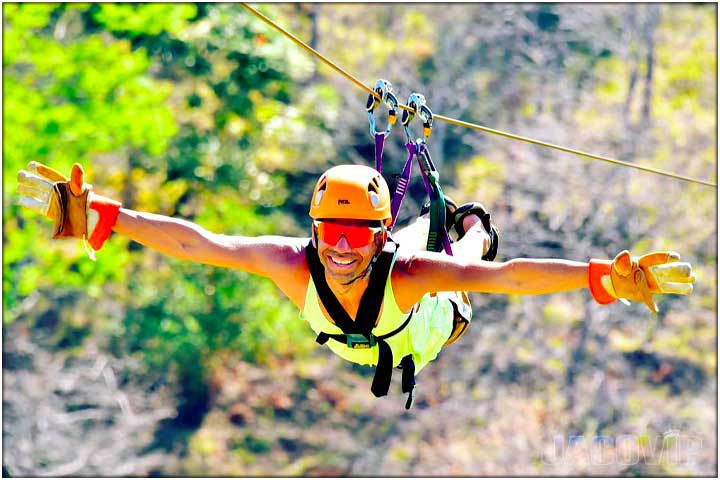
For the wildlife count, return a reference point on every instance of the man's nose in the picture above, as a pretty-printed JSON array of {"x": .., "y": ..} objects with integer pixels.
[{"x": 343, "y": 244}]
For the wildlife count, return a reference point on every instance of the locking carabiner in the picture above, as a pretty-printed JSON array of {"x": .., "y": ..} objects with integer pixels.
[
  {"x": 384, "y": 90},
  {"x": 416, "y": 102}
]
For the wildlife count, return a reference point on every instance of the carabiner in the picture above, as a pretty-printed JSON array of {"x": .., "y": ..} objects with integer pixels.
[
  {"x": 382, "y": 87},
  {"x": 416, "y": 102},
  {"x": 384, "y": 90},
  {"x": 426, "y": 116}
]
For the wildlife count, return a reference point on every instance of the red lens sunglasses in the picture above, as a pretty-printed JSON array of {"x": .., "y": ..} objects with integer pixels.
[{"x": 357, "y": 236}]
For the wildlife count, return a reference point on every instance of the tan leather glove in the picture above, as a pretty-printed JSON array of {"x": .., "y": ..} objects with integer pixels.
[
  {"x": 638, "y": 278},
  {"x": 76, "y": 211}
]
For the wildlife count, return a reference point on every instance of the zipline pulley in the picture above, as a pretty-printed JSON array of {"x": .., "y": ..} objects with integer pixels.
[
  {"x": 438, "y": 238},
  {"x": 384, "y": 90},
  {"x": 416, "y": 102}
]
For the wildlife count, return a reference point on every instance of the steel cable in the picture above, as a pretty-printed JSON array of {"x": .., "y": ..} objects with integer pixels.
[{"x": 473, "y": 126}]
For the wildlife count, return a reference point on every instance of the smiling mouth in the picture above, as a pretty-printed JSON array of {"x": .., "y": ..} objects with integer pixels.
[{"x": 340, "y": 262}]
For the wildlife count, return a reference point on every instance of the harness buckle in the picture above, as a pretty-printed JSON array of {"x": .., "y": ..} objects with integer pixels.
[{"x": 358, "y": 340}]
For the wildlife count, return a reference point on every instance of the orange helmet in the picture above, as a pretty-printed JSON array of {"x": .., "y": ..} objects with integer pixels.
[{"x": 354, "y": 192}]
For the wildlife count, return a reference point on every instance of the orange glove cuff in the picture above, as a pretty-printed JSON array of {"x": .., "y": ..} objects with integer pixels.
[
  {"x": 599, "y": 268},
  {"x": 108, "y": 211}
]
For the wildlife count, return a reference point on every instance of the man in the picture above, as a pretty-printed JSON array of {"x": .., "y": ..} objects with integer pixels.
[{"x": 409, "y": 310}]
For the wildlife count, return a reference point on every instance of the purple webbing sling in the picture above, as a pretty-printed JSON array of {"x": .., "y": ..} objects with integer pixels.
[
  {"x": 404, "y": 181},
  {"x": 379, "y": 145}
]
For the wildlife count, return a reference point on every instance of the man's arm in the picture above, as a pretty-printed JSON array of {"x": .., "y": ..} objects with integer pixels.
[
  {"x": 281, "y": 259},
  {"x": 182, "y": 239},
  {"x": 625, "y": 277},
  {"x": 429, "y": 272},
  {"x": 77, "y": 212}
]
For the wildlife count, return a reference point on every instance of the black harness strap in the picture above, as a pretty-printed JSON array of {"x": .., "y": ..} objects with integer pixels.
[
  {"x": 383, "y": 371},
  {"x": 408, "y": 379},
  {"x": 369, "y": 302},
  {"x": 358, "y": 333}
]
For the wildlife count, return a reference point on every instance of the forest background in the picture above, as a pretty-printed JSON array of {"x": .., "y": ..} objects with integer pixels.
[{"x": 139, "y": 364}]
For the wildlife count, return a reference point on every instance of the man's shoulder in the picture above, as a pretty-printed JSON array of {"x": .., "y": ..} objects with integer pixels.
[
  {"x": 403, "y": 277},
  {"x": 406, "y": 257},
  {"x": 285, "y": 264},
  {"x": 419, "y": 263},
  {"x": 287, "y": 249}
]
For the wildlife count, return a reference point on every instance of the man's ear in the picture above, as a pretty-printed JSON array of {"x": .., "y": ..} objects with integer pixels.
[
  {"x": 382, "y": 239},
  {"x": 314, "y": 236}
]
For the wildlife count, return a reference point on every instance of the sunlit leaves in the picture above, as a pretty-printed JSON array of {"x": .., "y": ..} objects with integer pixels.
[
  {"x": 480, "y": 174},
  {"x": 420, "y": 34},
  {"x": 79, "y": 97},
  {"x": 148, "y": 19},
  {"x": 71, "y": 97}
]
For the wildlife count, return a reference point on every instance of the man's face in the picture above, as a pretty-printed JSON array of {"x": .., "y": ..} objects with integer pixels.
[{"x": 346, "y": 247}]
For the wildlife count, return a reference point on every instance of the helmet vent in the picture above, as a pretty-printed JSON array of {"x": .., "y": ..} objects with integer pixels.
[
  {"x": 374, "y": 186},
  {"x": 318, "y": 197},
  {"x": 322, "y": 183},
  {"x": 320, "y": 191}
]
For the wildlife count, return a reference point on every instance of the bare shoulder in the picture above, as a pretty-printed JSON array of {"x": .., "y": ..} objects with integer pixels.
[
  {"x": 277, "y": 256},
  {"x": 281, "y": 259},
  {"x": 286, "y": 265},
  {"x": 283, "y": 249},
  {"x": 415, "y": 264},
  {"x": 418, "y": 272},
  {"x": 264, "y": 254},
  {"x": 412, "y": 274}
]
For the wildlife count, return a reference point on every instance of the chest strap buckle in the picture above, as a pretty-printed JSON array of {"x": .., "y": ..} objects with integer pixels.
[{"x": 358, "y": 340}]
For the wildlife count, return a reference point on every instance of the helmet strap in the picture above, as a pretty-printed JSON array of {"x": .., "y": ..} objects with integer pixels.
[{"x": 378, "y": 251}]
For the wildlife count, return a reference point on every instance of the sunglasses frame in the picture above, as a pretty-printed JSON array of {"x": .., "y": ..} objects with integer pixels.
[{"x": 349, "y": 238}]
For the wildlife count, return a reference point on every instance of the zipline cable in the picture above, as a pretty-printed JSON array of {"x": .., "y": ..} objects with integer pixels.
[
  {"x": 472, "y": 126},
  {"x": 571, "y": 150}
]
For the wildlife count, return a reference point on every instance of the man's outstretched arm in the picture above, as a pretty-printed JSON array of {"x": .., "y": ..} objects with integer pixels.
[
  {"x": 525, "y": 276},
  {"x": 428, "y": 271},
  {"x": 78, "y": 212},
  {"x": 178, "y": 238},
  {"x": 625, "y": 277}
]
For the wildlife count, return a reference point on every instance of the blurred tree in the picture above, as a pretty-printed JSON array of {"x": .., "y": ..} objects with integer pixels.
[{"x": 169, "y": 113}]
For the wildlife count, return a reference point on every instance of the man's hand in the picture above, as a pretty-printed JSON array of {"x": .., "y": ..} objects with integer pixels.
[
  {"x": 76, "y": 211},
  {"x": 638, "y": 278},
  {"x": 36, "y": 187}
]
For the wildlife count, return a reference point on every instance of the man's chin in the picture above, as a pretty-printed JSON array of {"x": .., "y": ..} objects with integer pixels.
[{"x": 344, "y": 278}]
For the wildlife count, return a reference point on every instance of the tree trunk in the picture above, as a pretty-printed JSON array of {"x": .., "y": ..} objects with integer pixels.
[
  {"x": 635, "y": 61},
  {"x": 652, "y": 21}
]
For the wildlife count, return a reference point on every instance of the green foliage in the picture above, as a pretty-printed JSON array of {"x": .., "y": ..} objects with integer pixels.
[
  {"x": 80, "y": 87},
  {"x": 99, "y": 93},
  {"x": 182, "y": 313},
  {"x": 69, "y": 97},
  {"x": 79, "y": 95},
  {"x": 148, "y": 19}
]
